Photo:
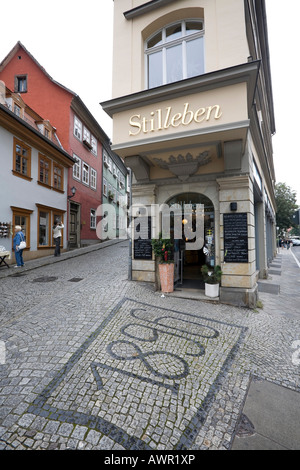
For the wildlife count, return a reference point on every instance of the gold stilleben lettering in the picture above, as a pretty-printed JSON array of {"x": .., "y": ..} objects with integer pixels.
[{"x": 164, "y": 119}]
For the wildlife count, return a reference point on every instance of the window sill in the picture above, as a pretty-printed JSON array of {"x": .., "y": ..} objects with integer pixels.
[
  {"x": 58, "y": 190},
  {"x": 20, "y": 175},
  {"x": 44, "y": 184}
]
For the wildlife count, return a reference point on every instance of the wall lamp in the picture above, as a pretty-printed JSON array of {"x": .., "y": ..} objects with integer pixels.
[{"x": 73, "y": 190}]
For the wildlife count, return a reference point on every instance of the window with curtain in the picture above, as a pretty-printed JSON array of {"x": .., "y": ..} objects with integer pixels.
[{"x": 176, "y": 52}]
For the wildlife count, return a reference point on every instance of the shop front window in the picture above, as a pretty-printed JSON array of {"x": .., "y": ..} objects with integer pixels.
[{"x": 43, "y": 228}]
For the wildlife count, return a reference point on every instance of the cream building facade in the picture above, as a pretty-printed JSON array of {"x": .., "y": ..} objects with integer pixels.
[{"x": 193, "y": 118}]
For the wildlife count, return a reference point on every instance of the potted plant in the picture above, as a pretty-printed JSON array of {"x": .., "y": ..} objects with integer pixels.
[
  {"x": 162, "y": 248},
  {"x": 212, "y": 279}
]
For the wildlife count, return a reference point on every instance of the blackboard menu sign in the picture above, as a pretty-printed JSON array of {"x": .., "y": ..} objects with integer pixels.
[
  {"x": 235, "y": 238},
  {"x": 142, "y": 247}
]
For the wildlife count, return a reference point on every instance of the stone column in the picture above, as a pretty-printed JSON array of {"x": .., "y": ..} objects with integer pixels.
[
  {"x": 143, "y": 196},
  {"x": 239, "y": 286}
]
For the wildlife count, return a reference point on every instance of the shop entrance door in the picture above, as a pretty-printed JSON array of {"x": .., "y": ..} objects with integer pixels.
[
  {"x": 188, "y": 262},
  {"x": 74, "y": 238}
]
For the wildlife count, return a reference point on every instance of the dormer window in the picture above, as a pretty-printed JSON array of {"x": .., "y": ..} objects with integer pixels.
[
  {"x": 17, "y": 110},
  {"x": 17, "y": 105},
  {"x": 45, "y": 128},
  {"x": 176, "y": 52}
]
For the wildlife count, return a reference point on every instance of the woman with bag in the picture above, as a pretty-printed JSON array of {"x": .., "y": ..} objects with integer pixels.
[{"x": 19, "y": 244}]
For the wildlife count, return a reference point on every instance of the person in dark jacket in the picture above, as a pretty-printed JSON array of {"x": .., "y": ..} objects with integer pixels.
[{"x": 19, "y": 236}]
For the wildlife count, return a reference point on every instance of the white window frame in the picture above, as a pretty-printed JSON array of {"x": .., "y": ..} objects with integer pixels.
[
  {"x": 93, "y": 219},
  {"x": 77, "y": 168},
  {"x": 77, "y": 128},
  {"x": 166, "y": 44},
  {"x": 94, "y": 144},
  {"x": 105, "y": 187},
  {"x": 93, "y": 178},
  {"x": 105, "y": 158},
  {"x": 86, "y": 135},
  {"x": 85, "y": 180}
]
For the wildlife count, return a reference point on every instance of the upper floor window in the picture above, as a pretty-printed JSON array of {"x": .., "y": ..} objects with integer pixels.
[
  {"x": 176, "y": 52},
  {"x": 58, "y": 177},
  {"x": 77, "y": 167},
  {"x": 22, "y": 159},
  {"x": 21, "y": 84},
  {"x": 94, "y": 144},
  {"x": 93, "y": 178},
  {"x": 44, "y": 170},
  {"x": 77, "y": 128},
  {"x": 87, "y": 138},
  {"x": 85, "y": 173}
]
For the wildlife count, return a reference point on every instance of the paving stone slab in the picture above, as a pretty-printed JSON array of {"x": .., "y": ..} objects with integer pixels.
[{"x": 274, "y": 412}]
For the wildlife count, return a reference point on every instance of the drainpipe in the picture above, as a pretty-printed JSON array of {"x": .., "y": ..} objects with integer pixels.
[{"x": 130, "y": 235}]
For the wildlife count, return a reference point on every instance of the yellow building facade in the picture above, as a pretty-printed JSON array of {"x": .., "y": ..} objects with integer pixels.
[{"x": 193, "y": 118}]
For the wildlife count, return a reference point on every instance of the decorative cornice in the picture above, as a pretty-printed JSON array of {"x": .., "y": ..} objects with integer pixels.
[
  {"x": 145, "y": 8},
  {"x": 247, "y": 72}
]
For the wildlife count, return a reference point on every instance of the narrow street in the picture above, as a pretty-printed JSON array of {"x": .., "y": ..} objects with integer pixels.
[{"x": 94, "y": 361}]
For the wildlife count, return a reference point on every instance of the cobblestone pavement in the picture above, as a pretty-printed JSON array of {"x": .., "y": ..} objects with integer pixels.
[{"x": 94, "y": 361}]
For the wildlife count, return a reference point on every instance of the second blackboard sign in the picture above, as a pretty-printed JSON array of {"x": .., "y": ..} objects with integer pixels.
[
  {"x": 235, "y": 238},
  {"x": 142, "y": 244}
]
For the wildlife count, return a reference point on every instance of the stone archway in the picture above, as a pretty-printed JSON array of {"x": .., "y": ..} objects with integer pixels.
[{"x": 188, "y": 262}]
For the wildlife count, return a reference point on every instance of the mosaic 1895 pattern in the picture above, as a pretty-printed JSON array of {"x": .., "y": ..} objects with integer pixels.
[{"x": 147, "y": 375}]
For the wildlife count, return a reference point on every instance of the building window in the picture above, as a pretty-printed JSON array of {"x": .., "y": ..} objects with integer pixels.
[
  {"x": 93, "y": 219},
  {"x": 17, "y": 110},
  {"x": 86, "y": 135},
  {"x": 85, "y": 174},
  {"x": 93, "y": 178},
  {"x": 87, "y": 138},
  {"x": 58, "y": 177},
  {"x": 77, "y": 168},
  {"x": 104, "y": 187},
  {"x": 174, "y": 53},
  {"x": 22, "y": 159},
  {"x": 21, "y": 84},
  {"x": 44, "y": 170},
  {"x": 46, "y": 217},
  {"x": 44, "y": 227},
  {"x": 105, "y": 159},
  {"x": 94, "y": 145},
  {"x": 77, "y": 128}
]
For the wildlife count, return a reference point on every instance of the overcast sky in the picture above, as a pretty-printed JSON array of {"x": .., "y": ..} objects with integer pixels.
[{"x": 72, "y": 40}]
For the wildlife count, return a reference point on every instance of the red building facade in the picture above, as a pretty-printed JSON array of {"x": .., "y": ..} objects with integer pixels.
[{"x": 79, "y": 133}]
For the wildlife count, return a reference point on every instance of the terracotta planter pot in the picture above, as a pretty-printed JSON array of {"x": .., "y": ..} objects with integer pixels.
[
  {"x": 212, "y": 290},
  {"x": 166, "y": 274}
]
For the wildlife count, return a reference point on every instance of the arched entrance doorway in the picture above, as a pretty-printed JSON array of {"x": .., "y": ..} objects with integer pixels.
[{"x": 188, "y": 262}]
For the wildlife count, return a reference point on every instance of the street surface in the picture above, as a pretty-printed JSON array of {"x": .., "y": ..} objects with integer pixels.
[{"x": 95, "y": 361}]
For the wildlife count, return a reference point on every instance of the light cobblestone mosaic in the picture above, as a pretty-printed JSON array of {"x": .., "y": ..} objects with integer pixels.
[{"x": 145, "y": 377}]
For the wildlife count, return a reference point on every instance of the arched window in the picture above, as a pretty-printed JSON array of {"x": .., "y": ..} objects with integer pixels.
[{"x": 175, "y": 52}]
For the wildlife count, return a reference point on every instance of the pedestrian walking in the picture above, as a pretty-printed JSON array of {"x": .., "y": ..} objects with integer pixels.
[
  {"x": 18, "y": 238},
  {"x": 57, "y": 228}
]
